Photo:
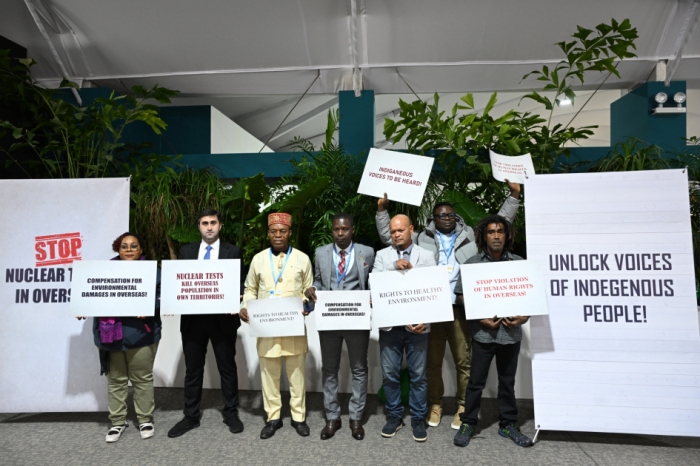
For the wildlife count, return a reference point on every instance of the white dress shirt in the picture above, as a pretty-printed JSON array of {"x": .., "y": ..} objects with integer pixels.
[
  {"x": 349, "y": 258},
  {"x": 213, "y": 254}
]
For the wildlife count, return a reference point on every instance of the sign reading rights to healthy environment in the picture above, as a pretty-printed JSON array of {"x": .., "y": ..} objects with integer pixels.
[
  {"x": 503, "y": 289},
  {"x": 113, "y": 288},
  {"x": 512, "y": 168},
  {"x": 200, "y": 287},
  {"x": 343, "y": 310},
  {"x": 402, "y": 176},
  {"x": 276, "y": 317},
  {"x": 620, "y": 349},
  {"x": 409, "y": 297}
]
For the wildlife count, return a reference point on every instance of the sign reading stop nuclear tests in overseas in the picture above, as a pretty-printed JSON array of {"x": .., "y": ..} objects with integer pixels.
[{"x": 201, "y": 287}]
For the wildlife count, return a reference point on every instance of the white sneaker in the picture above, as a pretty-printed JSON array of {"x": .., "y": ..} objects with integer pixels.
[
  {"x": 456, "y": 422},
  {"x": 115, "y": 432},
  {"x": 147, "y": 430}
]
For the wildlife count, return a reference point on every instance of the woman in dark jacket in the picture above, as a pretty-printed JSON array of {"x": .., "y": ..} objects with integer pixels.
[{"x": 128, "y": 348}]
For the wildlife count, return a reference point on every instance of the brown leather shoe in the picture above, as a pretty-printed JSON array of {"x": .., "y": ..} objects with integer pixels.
[
  {"x": 358, "y": 433},
  {"x": 329, "y": 430}
]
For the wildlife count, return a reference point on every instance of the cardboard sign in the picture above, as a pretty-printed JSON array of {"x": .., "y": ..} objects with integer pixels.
[
  {"x": 503, "y": 289},
  {"x": 113, "y": 288},
  {"x": 512, "y": 168},
  {"x": 276, "y": 317},
  {"x": 402, "y": 176},
  {"x": 410, "y": 297},
  {"x": 343, "y": 310},
  {"x": 200, "y": 287}
]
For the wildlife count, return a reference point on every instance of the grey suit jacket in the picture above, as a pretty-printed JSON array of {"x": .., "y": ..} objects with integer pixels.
[
  {"x": 420, "y": 257},
  {"x": 324, "y": 267}
]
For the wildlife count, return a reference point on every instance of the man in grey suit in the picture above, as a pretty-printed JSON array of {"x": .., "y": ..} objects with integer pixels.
[
  {"x": 343, "y": 265},
  {"x": 403, "y": 255}
]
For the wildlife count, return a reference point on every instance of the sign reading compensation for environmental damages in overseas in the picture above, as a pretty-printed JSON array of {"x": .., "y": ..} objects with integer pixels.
[
  {"x": 277, "y": 317},
  {"x": 402, "y": 176},
  {"x": 410, "y": 297},
  {"x": 113, "y": 288},
  {"x": 503, "y": 289},
  {"x": 201, "y": 287},
  {"x": 343, "y": 310}
]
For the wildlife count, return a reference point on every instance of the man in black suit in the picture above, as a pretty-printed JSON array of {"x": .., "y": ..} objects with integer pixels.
[{"x": 221, "y": 329}]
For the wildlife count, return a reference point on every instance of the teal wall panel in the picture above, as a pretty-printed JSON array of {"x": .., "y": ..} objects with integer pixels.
[
  {"x": 357, "y": 121},
  {"x": 242, "y": 165}
]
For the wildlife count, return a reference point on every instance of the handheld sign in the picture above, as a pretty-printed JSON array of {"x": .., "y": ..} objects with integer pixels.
[
  {"x": 503, "y": 289},
  {"x": 113, "y": 288},
  {"x": 410, "y": 297},
  {"x": 200, "y": 287},
  {"x": 343, "y": 310},
  {"x": 402, "y": 176},
  {"x": 513, "y": 168},
  {"x": 277, "y": 317}
]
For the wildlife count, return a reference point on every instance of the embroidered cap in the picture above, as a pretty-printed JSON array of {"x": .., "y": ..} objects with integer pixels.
[{"x": 284, "y": 219}]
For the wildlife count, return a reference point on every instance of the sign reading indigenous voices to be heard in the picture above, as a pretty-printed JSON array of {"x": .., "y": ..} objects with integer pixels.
[
  {"x": 503, "y": 289},
  {"x": 276, "y": 317},
  {"x": 402, "y": 176},
  {"x": 343, "y": 310},
  {"x": 512, "y": 168},
  {"x": 409, "y": 297},
  {"x": 113, "y": 288},
  {"x": 200, "y": 287}
]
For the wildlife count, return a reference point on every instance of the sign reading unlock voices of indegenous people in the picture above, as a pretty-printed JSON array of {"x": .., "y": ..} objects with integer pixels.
[{"x": 200, "y": 287}]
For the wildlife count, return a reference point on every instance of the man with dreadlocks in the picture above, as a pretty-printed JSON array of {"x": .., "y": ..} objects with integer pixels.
[{"x": 493, "y": 337}]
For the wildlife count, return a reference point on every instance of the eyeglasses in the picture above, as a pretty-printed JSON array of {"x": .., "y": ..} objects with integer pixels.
[
  {"x": 133, "y": 247},
  {"x": 446, "y": 216}
]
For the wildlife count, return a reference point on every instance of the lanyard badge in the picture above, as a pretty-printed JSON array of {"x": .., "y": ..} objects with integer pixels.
[
  {"x": 272, "y": 267},
  {"x": 448, "y": 252},
  {"x": 335, "y": 260}
]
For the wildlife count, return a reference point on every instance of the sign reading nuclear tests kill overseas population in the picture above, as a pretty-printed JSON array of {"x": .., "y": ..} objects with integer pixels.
[{"x": 200, "y": 287}]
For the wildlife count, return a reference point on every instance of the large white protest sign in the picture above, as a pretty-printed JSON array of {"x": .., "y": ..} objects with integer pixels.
[
  {"x": 503, "y": 289},
  {"x": 276, "y": 317},
  {"x": 343, "y": 310},
  {"x": 620, "y": 349},
  {"x": 200, "y": 287},
  {"x": 513, "y": 169},
  {"x": 53, "y": 358},
  {"x": 408, "y": 297},
  {"x": 113, "y": 288},
  {"x": 402, "y": 176}
]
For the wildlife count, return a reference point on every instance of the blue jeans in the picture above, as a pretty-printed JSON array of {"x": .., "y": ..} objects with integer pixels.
[{"x": 392, "y": 345}]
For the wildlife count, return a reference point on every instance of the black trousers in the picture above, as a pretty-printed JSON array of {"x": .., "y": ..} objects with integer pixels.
[
  {"x": 194, "y": 344},
  {"x": 507, "y": 365}
]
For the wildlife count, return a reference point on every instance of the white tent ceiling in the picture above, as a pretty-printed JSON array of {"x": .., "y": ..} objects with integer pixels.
[{"x": 253, "y": 60}]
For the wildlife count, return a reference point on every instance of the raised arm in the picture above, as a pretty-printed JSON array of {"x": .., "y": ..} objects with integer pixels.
[{"x": 509, "y": 209}]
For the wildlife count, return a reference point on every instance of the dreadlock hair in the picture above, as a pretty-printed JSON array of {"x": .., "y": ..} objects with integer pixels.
[{"x": 480, "y": 231}]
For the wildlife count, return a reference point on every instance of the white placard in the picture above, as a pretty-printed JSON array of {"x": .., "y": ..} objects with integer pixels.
[
  {"x": 402, "y": 176},
  {"x": 503, "y": 289},
  {"x": 343, "y": 310},
  {"x": 113, "y": 288},
  {"x": 620, "y": 349},
  {"x": 200, "y": 287},
  {"x": 409, "y": 297},
  {"x": 276, "y": 317},
  {"x": 513, "y": 168}
]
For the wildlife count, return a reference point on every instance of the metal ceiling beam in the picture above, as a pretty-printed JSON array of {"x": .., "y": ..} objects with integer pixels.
[
  {"x": 263, "y": 110},
  {"x": 354, "y": 26},
  {"x": 284, "y": 129},
  {"x": 684, "y": 34}
]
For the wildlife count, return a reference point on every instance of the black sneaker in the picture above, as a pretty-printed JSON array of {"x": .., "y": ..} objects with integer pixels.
[
  {"x": 302, "y": 428},
  {"x": 270, "y": 428},
  {"x": 512, "y": 432},
  {"x": 419, "y": 433},
  {"x": 234, "y": 424},
  {"x": 183, "y": 427},
  {"x": 393, "y": 424},
  {"x": 464, "y": 435}
]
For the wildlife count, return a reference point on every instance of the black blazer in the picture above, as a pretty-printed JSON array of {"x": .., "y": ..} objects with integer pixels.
[{"x": 229, "y": 324}]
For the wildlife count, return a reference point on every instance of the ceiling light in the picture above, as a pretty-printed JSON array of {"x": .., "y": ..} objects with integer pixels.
[
  {"x": 661, "y": 98},
  {"x": 679, "y": 98},
  {"x": 564, "y": 102}
]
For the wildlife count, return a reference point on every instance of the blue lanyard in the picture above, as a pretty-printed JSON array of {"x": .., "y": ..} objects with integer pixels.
[
  {"x": 272, "y": 268},
  {"x": 335, "y": 260},
  {"x": 452, "y": 244}
]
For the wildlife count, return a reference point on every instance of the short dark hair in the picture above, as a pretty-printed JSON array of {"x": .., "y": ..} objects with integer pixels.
[
  {"x": 343, "y": 216},
  {"x": 480, "y": 231},
  {"x": 118, "y": 242},
  {"x": 209, "y": 213},
  {"x": 442, "y": 204}
]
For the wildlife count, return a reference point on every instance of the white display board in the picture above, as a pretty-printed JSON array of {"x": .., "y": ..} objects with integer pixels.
[
  {"x": 276, "y": 317},
  {"x": 514, "y": 169},
  {"x": 343, "y": 310},
  {"x": 402, "y": 176},
  {"x": 51, "y": 363},
  {"x": 200, "y": 287},
  {"x": 503, "y": 289},
  {"x": 620, "y": 349},
  {"x": 114, "y": 288},
  {"x": 409, "y": 297}
]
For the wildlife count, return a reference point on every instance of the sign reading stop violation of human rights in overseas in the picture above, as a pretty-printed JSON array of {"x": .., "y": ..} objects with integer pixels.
[
  {"x": 343, "y": 310},
  {"x": 402, "y": 176},
  {"x": 276, "y": 317},
  {"x": 503, "y": 289},
  {"x": 513, "y": 169},
  {"x": 113, "y": 288},
  {"x": 200, "y": 287},
  {"x": 410, "y": 297}
]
